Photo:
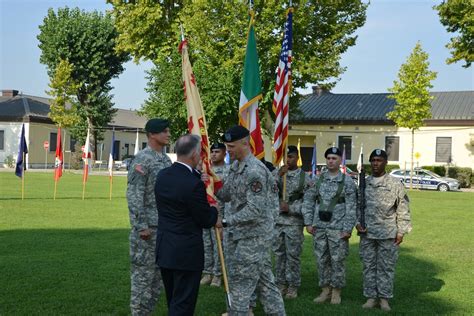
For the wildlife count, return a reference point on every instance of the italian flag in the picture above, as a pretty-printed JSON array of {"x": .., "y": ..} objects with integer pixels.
[{"x": 251, "y": 93}]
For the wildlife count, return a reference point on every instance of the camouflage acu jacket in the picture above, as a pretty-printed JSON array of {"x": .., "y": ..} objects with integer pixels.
[
  {"x": 344, "y": 213},
  {"x": 248, "y": 187},
  {"x": 221, "y": 172},
  {"x": 141, "y": 187},
  {"x": 294, "y": 197},
  {"x": 387, "y": 209}
]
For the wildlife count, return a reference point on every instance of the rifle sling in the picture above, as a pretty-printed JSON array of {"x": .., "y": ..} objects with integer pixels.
[{"x": 335, "y": 199}]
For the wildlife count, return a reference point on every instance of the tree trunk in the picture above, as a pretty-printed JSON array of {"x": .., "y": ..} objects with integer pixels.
[{"x": 412, "y": 162}]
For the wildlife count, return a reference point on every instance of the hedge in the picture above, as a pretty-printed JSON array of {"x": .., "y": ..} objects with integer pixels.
[{"x": 465, "y": 176}]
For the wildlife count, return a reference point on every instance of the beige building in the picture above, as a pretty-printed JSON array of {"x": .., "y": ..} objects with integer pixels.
[
  {"x": 16, "y": 110},
  {"x": 355, "y": 120}
]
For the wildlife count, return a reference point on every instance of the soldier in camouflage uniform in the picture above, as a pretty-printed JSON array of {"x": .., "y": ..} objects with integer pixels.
[
  {"x": 329, "y": 211},
  {"x": 288, "y": 243},
  {"x": 387, "y": 217},
  {"x": 248, "y": 221},
  {"x": 145, "y": 274},
  {"x": 212, "y": 268}
]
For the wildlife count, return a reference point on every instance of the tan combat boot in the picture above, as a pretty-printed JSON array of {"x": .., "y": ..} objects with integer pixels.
[
  {"x": 283, "y": 289},
  {"x": 206, "y": 279},
  {"x": 384, "y": 305},
  {"x": 216, "y": 281},
  {"x": 336, "y": 296},
  {"x": 324, "y": 296},
  {"x": 371, "y": 303},
  {"x": 251, "y": 311},
  {"x": 291, "y": 293}
]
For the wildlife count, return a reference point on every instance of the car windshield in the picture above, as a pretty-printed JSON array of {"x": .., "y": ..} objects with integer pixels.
[{"x": 430, "y": 173}]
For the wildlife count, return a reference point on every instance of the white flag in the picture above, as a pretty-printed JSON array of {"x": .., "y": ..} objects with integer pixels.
[
  {"x": 359, "y": 162},
  {"x": 136, "y": 145}
]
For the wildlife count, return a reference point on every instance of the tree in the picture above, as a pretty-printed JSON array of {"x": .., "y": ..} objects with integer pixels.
[
  {"x": 63, "y": 109},
  {"x": 458, "y": 16},
  {"x": 411, "y": 94},
  {"x": 216, "y": 30},
  {"x": 78, "y": 49}
]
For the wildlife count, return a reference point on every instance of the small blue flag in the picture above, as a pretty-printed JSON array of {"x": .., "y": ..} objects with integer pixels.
[{"x": 22, "y": 151}]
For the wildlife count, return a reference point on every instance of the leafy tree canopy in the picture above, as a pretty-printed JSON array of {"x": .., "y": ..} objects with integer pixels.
[
  {"x": 411, "y": 91},
  {"x": 458, "y": 17},
  {"x": 78, "y": 49},
  {"x": 216, "y": 31}
]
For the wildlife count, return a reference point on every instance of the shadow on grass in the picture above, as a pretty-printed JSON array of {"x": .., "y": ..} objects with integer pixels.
[
  {"x": 86, "y": 271},
  {"x": 414, "y": 278}
]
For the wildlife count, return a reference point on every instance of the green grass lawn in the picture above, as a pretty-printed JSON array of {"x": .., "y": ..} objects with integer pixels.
[{"x": 71, "y": 256}]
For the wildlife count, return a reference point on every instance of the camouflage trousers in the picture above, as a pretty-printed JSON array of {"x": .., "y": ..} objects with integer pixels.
[
  {"x": 331, "y": 252},
  {"x": 379, "y": 257},
  {"x": 145, "y": 274},
  {"x": 287, "y": 248},
  {"x": 249, "y": 268},
  {"x": 211, "y": 255}
]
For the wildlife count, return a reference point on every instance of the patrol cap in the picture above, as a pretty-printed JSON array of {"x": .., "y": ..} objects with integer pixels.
[
  {"x": 378, "y": 153},
  {"x": 292, "y": 150},
  {"x": 235, "y": 133},
  {"x": 332, "y": 151},
  {"x": 218, "y": 146},
  {"x": 156, "y": 125}
]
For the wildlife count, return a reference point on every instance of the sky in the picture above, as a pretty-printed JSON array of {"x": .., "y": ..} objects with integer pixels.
[{"x": 391, "y": 31}]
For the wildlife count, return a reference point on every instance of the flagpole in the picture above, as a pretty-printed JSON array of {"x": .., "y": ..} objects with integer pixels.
[
  {"x": 55, "y": 187},
  {"x": 83, "y": 180},
  {"x": 23, "y": 178},
  {"x": 111, "y": 181},
  {"x": 63, "y": 146},
  {"x": 223, "y": 267}
]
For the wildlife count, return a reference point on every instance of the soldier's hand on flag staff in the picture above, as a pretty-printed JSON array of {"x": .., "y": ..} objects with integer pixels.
[
  {"x": 310, "y": 229},
  {"x": 360, "y": 229},
  {"x": 284, "y": 208},
  {"x": 345, "y": 236},
  {"x": 283, "y": 170}
]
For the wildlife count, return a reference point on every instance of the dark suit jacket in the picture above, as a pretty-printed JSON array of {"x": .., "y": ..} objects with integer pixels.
[{"x": 183, "y": 211}]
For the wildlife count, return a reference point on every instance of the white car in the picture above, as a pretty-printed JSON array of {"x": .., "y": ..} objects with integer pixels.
[{"x": 425, "y": 179}]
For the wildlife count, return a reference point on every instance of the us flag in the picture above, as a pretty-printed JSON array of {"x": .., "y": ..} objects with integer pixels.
[{"x": 281, "y": 98}]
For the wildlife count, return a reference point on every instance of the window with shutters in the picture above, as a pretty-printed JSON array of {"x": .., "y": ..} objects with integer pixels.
[
  {"x": 53, "y": 137},
  {"x": 345, "y": 142},
  {"x": 306, "y": 157},
  {"x": 392, "y": 147},
  {"x": 443, "y": 149},
  {"x": 116, "y": 153}
]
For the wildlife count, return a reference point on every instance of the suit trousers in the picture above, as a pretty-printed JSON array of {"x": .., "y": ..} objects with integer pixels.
[{"x": 181, "y": 289}]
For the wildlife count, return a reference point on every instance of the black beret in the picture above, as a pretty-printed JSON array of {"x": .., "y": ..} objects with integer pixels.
[
  {"x": 156, "y": 125},
  {"x": 235, "y": 133},
  {"x": 332, "y": 151},
  {"x": 292, "y": 150},
  {"x": 378, "y": 153},
  {"x": 217, "y": 146}
]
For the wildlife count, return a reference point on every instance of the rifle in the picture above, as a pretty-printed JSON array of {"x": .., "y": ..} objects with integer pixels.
[{"x": 362, "y": 202}]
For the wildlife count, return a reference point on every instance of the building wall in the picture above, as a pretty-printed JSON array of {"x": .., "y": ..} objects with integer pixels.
[
  {"x": 11, "y": 139},
  {"x": 37, "y": 133},
  {"x": 373, "y": 136}
]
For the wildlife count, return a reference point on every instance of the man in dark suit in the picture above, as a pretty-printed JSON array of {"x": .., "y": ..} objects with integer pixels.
[{"x": 183, "y": 211}]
